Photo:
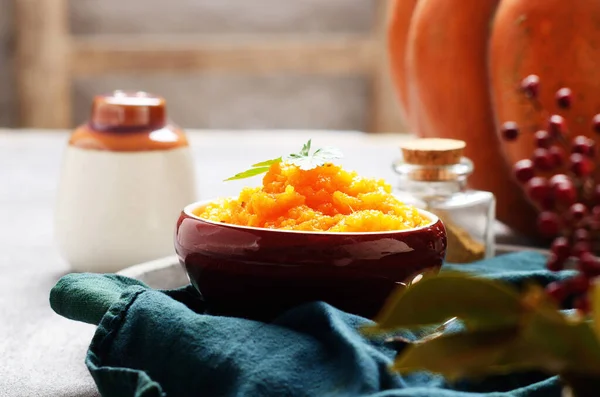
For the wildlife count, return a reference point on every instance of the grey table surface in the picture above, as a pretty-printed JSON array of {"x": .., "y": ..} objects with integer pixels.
[{"x": 42, "y": 354}]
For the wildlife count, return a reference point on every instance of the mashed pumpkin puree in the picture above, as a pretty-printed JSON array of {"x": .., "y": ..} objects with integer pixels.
[{"x": 325, "y": 198}]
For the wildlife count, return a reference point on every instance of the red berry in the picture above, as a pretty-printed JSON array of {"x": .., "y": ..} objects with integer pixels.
[
  {"x": 548, "y": 203},
  {"x": 548, "y": 223},
  {"x": 577, "y": 212},
  {"x": 523, "y": 170},
  {"x": 565, "y": 193},
  {"x": 595, "y": 218},
  {"x": 556, "y": 125},
  {"x": 530, "y": 85},
  {"x": 558, "y": 178},
  {"x": 537, "y": 188},
  {"x": 580, "y": 248},
  {"x": 580, "y": 165},
  {"x": 596, "y": 194},
  {"x": 583, "y": 145},
  {"x": 592, "y": 149},
  {"x": 510, "y": 131},
  {"x": 596, "y": 213},
  {"x": 557, "y": 291},
  {"x": 581, "y": 235},
  {"x": 560, "y": 247},
  {"x": 554, "y": 263},
  {"x": 557, "y": 154},
  {"x": 596, "y": 123},
  {"x": 582, "y": 303},
  {"x": 589, "y": 264},
  {"x": 563, "y": 98},
  {"x": 542, "y": 159},
  {"x": 578, "y": 284},
  {"x": 543, "y": 139}
]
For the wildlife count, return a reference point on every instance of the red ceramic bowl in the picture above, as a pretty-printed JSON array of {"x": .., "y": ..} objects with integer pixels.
[{"x": 257, "y": 273}]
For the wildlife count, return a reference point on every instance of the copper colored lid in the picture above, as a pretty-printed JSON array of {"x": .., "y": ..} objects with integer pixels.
[
  {"x": 432, "y": 151},
  {"x": 123, "y": 110}
]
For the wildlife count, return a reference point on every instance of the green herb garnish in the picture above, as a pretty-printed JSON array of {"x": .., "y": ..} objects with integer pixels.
[
  {"x": 257, "y": 169},
  {"x": 303, "y": 160},
  {"x": 306, "y": 161}
]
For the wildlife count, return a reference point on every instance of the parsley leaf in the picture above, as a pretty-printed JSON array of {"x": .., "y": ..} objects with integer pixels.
[
  {"x": 306, "y": 148},
  {"x": 249, "y": 173},
  {"x": 267, "y": 163},
  {"x": 303, "y": 160},
  {"x": 318, "y": 158}
]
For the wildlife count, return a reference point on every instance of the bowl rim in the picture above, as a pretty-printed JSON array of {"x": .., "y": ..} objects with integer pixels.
[{"x": 187, "y": 210}]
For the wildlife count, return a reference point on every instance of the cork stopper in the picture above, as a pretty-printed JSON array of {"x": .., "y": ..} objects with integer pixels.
[
  {"x": 432, "y": 151},
  {"x": 434, "y": 155}
]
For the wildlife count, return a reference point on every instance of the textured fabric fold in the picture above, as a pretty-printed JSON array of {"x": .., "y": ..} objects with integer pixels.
[
  {"x": 86, "y": 297},
  {"x": 160, "y": 343}
]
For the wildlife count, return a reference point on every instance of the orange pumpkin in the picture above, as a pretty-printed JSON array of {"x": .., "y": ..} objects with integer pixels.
[
  {"x": 560, "y": 42},
  {"x": 457, "y": 67},
  {"x": 398, "y": 27}
]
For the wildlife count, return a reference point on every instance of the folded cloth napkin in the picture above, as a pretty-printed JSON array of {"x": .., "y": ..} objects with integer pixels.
[{"x": 161, "y": 343}]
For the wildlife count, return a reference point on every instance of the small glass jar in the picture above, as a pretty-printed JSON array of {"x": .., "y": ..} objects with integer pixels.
[{"x": 433, "y": 176}]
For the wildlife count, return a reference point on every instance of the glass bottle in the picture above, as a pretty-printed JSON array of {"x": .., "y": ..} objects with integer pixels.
[{"x": 433, "y": 176}]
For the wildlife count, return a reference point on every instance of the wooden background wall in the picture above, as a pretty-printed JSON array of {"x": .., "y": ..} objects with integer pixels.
[
  {"x": 219, "y": 63},
  {"x": 7, "y": 90}
]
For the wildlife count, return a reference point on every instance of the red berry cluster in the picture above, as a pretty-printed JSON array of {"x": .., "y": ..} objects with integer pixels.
[{"x": 569, "y": 202}]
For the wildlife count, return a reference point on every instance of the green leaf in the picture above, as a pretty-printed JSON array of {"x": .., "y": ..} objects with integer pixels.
[
  {"x": 457, "y": 355},
  {"x": 257, "y": 169},
  {"x": 306, "y": 163},
  {"x": 267, "y": 163},
  {"x": 479, "y": 303},
  {"x": 436, "y": 333},
  {"x": 558, "y": 343},
  {"x": 329, "y": 153},
  {"x": 537, "y": 345},
  {"x": 306, "y": 148},
  {"x": 552, "y": 341},
  {"x": 249, "y": 173},
  {"x": 543, "y": 339},
  {"x": 304, "y": 160}
]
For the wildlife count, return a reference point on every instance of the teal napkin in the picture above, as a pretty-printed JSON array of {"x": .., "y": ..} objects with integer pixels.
[{"x": 162, "y": 343}]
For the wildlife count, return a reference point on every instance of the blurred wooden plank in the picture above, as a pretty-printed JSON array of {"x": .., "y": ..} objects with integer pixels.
[
  {"x": 324, "y": 54},
  {"x": 42, "y": 45},
  {"x": 272, "y": 17},
  {"x": 48, "y": 58}
]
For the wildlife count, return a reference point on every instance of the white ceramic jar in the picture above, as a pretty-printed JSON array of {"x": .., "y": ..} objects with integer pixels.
[{"x": 126, "y": 176}]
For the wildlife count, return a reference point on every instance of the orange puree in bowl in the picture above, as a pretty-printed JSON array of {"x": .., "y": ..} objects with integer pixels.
[{"x": 325, "y": 198}]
